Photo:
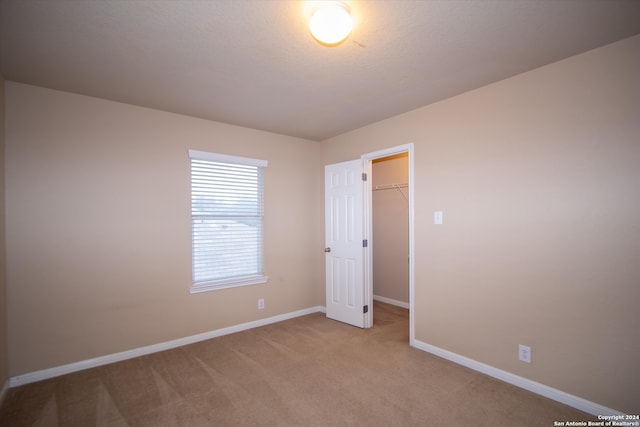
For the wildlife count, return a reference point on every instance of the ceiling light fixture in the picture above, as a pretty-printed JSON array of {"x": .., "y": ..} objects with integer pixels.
[{"x": 330, "y": 22}]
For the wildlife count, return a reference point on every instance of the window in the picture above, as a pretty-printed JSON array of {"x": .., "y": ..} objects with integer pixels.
[{"x": 227, "y": 215}]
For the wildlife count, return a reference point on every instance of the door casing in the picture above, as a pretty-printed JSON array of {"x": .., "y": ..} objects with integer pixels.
[{"x": 368, "y": 233}]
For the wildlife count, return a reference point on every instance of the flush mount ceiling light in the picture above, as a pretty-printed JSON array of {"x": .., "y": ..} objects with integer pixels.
[{"x": 330, "y": 22}]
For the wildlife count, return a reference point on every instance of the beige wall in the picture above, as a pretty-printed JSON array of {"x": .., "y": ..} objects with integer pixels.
[
  {"x": 3, "y": 300},
  {"x": 538, "y": 177},
  {"x": 99, "y": 234},
  {"x": 390, "y": 227}
]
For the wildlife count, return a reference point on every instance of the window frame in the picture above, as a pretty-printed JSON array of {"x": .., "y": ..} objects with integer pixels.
[{"x": 228, "y": 282}]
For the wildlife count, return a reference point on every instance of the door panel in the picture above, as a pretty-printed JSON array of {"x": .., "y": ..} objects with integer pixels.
[{"x": 344, "y": 191}]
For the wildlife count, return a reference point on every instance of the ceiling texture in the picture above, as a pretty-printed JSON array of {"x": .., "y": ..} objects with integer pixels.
[{"x": 253, "y": 63}]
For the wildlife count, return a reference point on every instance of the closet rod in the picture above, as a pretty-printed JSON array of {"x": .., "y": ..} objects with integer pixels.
[
  {"x": 390, "y": 186},
  {"x": 399, "y": 187}
]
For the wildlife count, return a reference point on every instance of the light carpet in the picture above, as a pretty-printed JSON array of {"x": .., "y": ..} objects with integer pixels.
[{"x": 308, "y": 371}]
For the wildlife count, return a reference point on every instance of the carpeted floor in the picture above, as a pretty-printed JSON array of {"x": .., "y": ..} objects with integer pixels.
[{"x": 308, "y": 371}]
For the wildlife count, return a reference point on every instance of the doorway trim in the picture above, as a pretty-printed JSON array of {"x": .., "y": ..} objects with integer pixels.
[{"x": 367, "y": 161}]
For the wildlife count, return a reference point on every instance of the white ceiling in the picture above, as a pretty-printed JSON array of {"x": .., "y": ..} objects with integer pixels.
[{"x": 253, "y": 63}]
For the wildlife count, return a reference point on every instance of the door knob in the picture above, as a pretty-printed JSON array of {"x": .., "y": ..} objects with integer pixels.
[{"x": 327, "y": 249}]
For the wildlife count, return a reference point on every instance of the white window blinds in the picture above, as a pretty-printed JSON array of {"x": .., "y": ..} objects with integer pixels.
[{"x": 227, "y": 212}]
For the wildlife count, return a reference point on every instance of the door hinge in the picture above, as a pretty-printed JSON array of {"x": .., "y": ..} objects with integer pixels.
[
  {"x": 365, "y": 243},
  {"x": 364, "y": 176},
  {"x": 365, "y": 309}
]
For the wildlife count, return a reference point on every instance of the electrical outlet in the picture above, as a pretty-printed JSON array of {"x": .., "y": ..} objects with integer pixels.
[
  {"x": 524, "y": 353},
  {"x": 261, "y": 304}
]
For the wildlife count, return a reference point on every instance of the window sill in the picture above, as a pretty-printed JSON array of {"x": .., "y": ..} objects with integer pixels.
[{"x": 226, "y": 284}]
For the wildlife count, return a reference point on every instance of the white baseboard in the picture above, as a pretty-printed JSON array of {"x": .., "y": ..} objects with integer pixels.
[
  {"x": 535, "y": 387},
  {"x": 130, "y": 354},
  {"x": 391, "y": 301}
]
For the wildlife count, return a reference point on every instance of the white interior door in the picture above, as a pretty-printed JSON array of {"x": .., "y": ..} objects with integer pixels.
[{"x": 344, "y": 259}]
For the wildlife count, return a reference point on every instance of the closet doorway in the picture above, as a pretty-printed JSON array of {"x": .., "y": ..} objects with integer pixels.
[
  {"x": 390, "y": 229},
  {"x": 389, "y": 264}
]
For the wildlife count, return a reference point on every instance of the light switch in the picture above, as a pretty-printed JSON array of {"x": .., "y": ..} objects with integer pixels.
[{"x": 437, "y": 217}]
